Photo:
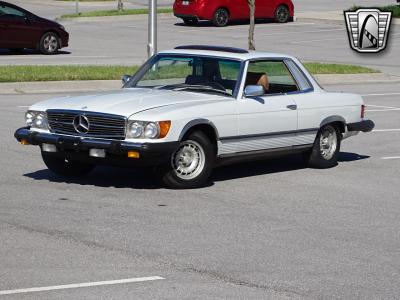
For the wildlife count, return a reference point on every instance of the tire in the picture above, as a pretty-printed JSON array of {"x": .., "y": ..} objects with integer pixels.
[
  {"x": 282, "y": 14},
  {"x": 190, "y": 22},
  {"x": 49, "y": 43},
  {"x": 221, "y": 17},
  {"x": 325, "y": 151},
  {"x": 199, "y": 153},
  {"x": 62, "y": 167}
]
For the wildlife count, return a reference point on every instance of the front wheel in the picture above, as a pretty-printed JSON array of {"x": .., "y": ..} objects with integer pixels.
[
  {"x": 221, "y": 17},
  {"x": 49, "y": 43},
  {"x": 64, "y": 167},
  {"x": 282, "y": 14},
  {"x": 191, "y": 164},
  {"x": 325, "y": 151}
]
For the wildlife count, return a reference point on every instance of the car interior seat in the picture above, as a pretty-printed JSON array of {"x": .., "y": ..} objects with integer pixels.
[{"x": 258, "y": 78}]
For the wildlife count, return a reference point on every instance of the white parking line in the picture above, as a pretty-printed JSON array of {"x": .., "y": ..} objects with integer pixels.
[
  {"x": 390, "y": 157},
  {"x": 388, "y": 109},
  {"x": 312, "y": 41},
  {"x": 381, "y": 106},
  {"x": 386, "y": 94},
  {"x": 294, "y": 32},
  {"x": 386, "y": 130},
  {"x": 79, "y": 285}
]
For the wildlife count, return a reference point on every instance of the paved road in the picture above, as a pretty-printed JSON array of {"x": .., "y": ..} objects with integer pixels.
[
  {"x": 261, "y": 230},
  {"x": 53, "y": 9},
  {"x": 124, "y": 42}
]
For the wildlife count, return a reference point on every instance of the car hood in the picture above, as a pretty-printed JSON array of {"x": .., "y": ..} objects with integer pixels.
[{"x": 125, "y": 102}]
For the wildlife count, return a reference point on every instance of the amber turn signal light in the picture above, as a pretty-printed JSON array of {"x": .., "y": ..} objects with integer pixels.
[
  {"x": 24, "y": 142},
  {"x": 164, "y": 128},
  {"x": 133, "y": 154}
]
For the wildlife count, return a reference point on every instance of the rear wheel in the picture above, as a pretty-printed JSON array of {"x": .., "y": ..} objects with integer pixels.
[
  {"x": 221, "y": 17},
  {"x": 49, "y": 43},
  {"x": 282, "y": 14},
  {"x": 326, "y": 148},
  {"x": 191, "y": 164},
  {"x": 190, "y": 21},
  {"x": 64, "y": 167}
]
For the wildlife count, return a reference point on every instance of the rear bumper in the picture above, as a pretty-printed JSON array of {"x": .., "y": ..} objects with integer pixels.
[
  {"x": 185, "y": 16},
  {"x": 77, "y": 148},
  {"x": 364, "y": 126}
]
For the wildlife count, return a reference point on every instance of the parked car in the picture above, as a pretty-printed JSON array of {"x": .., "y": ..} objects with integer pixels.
[
  {"x": 21, "y": 29},
  {"x": 193, "y": 108},
  {"x": 220, "y": 12}
]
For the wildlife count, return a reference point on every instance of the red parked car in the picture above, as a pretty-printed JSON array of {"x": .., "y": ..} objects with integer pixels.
[
  {"x": 21, "y": 29},
  {"x": 223, "y": 11}
]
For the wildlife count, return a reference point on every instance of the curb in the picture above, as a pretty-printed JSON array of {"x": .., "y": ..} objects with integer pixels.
[
  {"x": 48, "y": 87},
  {"x": 113, "y": 18}
]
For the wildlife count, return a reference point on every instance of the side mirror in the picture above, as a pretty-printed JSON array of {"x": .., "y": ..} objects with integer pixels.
[
  {"x": 125, "y": 79},
  {"x": 254, "y": 91}
]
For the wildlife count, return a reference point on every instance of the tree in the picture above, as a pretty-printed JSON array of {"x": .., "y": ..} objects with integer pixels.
[
  {"x": 252, "y": 7},
  {"x": 120, "y": 5}
]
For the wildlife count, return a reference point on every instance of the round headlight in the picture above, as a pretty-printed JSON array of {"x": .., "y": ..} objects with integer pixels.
[
  {"x": 151, "y": 130},
  {"x": 40, "y": 121},
  {"x": 29, "y": 116},
  {"x": 136, "y": 130}
]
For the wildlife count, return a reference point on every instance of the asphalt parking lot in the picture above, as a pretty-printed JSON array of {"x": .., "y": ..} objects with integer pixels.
[
  {"x": 123, "y": 42},
  {"x": 261, "y": 230}
]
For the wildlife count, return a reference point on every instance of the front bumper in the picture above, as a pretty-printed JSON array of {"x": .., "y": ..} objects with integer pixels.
[
  {"x": 364, "y": 126},
  {"x": 77, "y": 148}
]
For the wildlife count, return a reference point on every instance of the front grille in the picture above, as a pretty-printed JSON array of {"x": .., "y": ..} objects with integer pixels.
[{"x": 100, "y": 125}]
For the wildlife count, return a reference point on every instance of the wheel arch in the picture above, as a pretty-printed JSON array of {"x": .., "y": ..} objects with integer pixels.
[
  {"x": 336, "y": 120},
  {"x": 204, "y": 125}
]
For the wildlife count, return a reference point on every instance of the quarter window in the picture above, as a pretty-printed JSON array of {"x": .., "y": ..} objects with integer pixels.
[{"x": 302, "y": 81}]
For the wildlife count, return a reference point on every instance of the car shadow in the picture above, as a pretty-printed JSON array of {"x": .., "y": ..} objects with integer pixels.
[
  {"x": 29, "y": 52},
  {"x": 104, "y": 176},
  {"x": 202, "y": 24},
  {"x": 349, "y": 156}
]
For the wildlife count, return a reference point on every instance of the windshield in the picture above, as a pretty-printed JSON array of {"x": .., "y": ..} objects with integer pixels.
[{"x": 195, "y": 74}]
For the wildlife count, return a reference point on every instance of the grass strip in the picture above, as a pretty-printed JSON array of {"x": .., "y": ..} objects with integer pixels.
[
  {"x": 393, "y": 8},
  {"x": 322, "y": 68},
  {"x": 115, "y": 12},
  {"x": 68, "y": 72}
]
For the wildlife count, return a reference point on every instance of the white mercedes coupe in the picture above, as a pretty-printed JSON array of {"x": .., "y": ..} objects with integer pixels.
[{"x": 190, "y": 109}]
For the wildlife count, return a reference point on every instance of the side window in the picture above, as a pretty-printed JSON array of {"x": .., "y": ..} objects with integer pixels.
[
  {"x": 7, "y": 11},
  {"x": 301, "y": 79},
  {"x": 273, "y": 75}
]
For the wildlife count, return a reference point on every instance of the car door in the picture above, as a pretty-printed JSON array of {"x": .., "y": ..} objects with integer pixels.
[
  {"x": 269, "y": 121},
  {"x": 15, "y": 27}
]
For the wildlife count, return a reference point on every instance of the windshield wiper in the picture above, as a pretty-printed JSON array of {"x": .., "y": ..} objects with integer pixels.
[{"x": 205, "y": 88}]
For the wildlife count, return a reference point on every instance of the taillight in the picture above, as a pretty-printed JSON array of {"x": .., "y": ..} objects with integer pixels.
[{"x": 362, "y": 111}]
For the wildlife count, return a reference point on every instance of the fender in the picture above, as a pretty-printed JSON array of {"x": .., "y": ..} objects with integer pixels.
[
  {"x": 195, "y": 122},
  {"x": 332, "y": 119}
]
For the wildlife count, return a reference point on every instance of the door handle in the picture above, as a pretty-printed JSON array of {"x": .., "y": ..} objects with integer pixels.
[{"x": 292, "y": 106}]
